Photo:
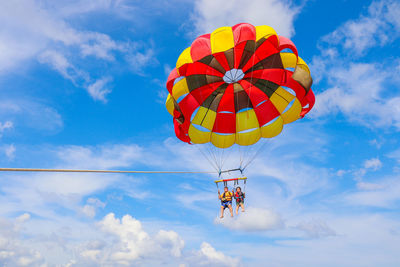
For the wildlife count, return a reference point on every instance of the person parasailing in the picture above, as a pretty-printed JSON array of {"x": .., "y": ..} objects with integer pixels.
[
  {"x": 226, "y": 201},
  {"x": 239, "y": 197}
]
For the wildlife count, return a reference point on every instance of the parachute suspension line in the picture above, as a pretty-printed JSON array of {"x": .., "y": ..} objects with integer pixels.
[
  {"x": 240, "y": 155},
  {"x": 223, "y": 158},
  {"x": 214, "y": 153},
  {"x": 207, "y": 158},
  {"x": 246, "y": 154},
  {"x": 210, "y": 154},
  {"x": 250, "y": 153},
  {"x": 212, "y": 157},
  {"x": 219, "y": 157},
  {"x": 256, "y": 154}
]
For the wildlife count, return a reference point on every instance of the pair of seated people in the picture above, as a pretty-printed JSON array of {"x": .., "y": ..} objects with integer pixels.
[{"x": 226, "y": 200}]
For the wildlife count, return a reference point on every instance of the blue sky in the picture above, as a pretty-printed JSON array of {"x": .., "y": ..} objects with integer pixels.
[{"x": 82, "y": 85}]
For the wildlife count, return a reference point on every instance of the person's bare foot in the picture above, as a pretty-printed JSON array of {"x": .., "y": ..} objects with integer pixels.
[{"x": 221, "y": 217}]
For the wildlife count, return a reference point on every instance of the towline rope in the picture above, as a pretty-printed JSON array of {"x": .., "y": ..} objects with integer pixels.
[{"x": 106, "y": 171}]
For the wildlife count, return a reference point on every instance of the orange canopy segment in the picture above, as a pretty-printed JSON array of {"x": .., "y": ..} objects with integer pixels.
[{"x": 237, "y": 85}]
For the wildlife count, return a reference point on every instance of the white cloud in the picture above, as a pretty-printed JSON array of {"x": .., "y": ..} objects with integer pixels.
[
  {"x": 36, "y": 29},
  {"x": 368, "y": 166},
  {"x": 100, "y": 157},
  {"x": 359, "y": 88},
  {"x": 377, "y": 143},
  {"x": 31, "y": 35},
  {"x": 369, "y": 186},
  {"x": 139, "y": 60},
  {"x": 355, "y": 241},
  {"x": 133, "y": 243},
  {"x": 215, "y": 258},
  {"x": 39, "y": 192},
  {"x": 171, "y": 241},
  {"x": 46, "y": 25},
  {"x": 92, "y": 204},
  {"x": 211, "y": 14},
  {"x": 109, "y": 242},
  {"x": 89, "y": 211},
  {"x": 31, "y": 114},
  {"x": 13, "y": 250},
  {"x": 295, "y": 180},
  {"x": 191, "y": 199},
  {"x": 394, "y": 155},
  {"x": 357, "y": 36},
  {"x": 60, "y": 63},
  {"x": 340, "y": 173},
  {"x": 5, "y": 125},
  {"x": 96, "y": 202},
  {"x": 374, "y": 164},
  {"x": 98, "y": 89},
  {"x": 253, "y": 220},
  {"x": 358, "y": 93},
  {"x": 378, "y": 28},
  {"x": 77, "y": 7},
  {"x": 9, "y": 150},
  {"x": 316, "y": 228},
  {"x": 23, "y": 218},
  {"x": 101, "y": 45},
  {"x": 384, "y": 192}
]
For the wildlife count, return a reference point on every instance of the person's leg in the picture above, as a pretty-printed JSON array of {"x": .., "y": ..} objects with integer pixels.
[
  {"x": 230, "y": 209},
  {"x": 242, "y": 206},
  {"x": 237, "y": 208},
  {"x": 222, "y": 212}
]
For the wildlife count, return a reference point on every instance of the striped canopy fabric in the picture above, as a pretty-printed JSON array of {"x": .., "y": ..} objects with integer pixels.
[{"x": 237, "y": 85}]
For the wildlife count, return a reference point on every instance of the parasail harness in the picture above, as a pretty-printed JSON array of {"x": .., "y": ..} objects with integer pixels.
[{"x": 235, "y": 183}]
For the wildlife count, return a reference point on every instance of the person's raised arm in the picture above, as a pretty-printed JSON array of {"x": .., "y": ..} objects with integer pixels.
[{"x": 219, "y": 195}]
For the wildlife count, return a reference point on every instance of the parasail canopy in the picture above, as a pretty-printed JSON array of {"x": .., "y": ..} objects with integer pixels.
[{"x": 237, "y": 85}]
